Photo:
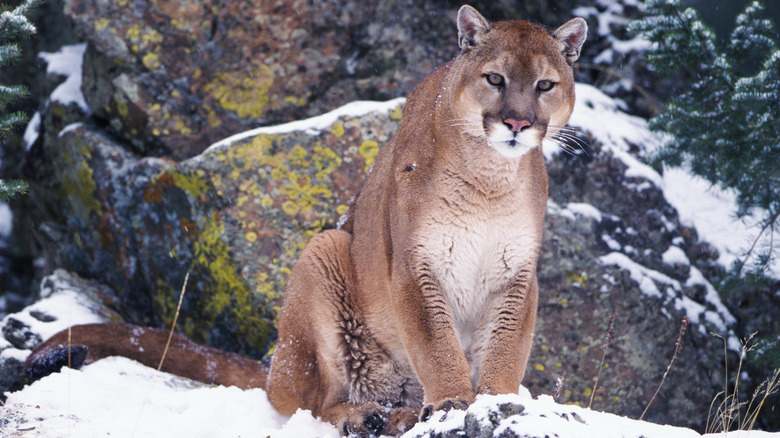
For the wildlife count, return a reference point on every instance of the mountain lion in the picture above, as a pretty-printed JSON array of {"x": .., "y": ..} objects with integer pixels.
[{"x": 428, "y": 295}]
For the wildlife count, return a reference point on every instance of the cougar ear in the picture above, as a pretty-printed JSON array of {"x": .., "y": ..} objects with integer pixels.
[
  {"x": 471, "y": 26},
  {"x": 572, "y": 34}
]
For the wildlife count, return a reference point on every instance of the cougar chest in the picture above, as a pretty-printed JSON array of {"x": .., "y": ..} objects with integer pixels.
[{"x": 474, "y": 256}]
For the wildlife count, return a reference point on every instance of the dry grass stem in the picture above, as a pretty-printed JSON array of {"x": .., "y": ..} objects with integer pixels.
[
  {"x": 175, "y": 317},
  {"x": 677, "y": 349},
  {"x": 610, "y": 334},
  {"x": 729, "y": 411},
  {"x": 70, "y": 346},
  {"x": 769, "y": 386}
]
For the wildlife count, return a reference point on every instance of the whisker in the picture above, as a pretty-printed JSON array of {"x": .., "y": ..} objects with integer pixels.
[
  {"x": 568, "y": 141},
  {"x": 566, "y": 148},
  {"x": 569, "y": 130}
]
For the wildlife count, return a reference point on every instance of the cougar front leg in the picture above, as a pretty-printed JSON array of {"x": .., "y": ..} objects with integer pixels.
[
  {"x": 509, "y": 328},
  {"x": 427, "y": 329}
]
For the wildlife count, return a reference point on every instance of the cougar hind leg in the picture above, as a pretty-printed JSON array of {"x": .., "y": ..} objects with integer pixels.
[{"x": 322, "y": 342}]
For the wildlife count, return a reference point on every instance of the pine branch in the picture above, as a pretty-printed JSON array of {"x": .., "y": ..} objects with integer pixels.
[
  {"x": 12, "y": 94},
  {"x": 12, "y": 188},
  {"x": 769, "y": 224},
  {"x": 9, "y": 53},
  {"x": 723, "y": 127},
  {"x": 11, "y": 121},
  {"x": 14, "y": 23}
]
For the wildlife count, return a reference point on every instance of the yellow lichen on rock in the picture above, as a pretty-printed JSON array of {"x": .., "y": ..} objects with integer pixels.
[
  {"x": 395, "y": 113},
  {"x": 193, "y": 181},
  {"x": 337, "y": 129},
  {"x": 101, "y": 23},
  {"x": 246, "y": 95},
  {"x": 325, "y": 159},
  {"x": 369, "y": 149}
]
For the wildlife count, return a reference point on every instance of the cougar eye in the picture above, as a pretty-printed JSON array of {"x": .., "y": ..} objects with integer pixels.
[
  {"x": 545, "y": 85},
  {"x": 495, "y": 79}
]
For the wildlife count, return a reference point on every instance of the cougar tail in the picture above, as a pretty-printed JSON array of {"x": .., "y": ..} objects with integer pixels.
[{"x": 83, "y": 344}]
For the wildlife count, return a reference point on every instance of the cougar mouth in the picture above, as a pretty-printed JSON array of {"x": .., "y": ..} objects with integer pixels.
[{"x": 513, "y": 144}]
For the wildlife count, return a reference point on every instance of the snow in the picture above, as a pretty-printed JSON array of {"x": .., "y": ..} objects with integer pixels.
[
  {"x": 153, "y": 404},
  {"x": 67, "y": 62},
  {"x": 574, "y": 209},
  {"x": 31, "y": 131},
  {"x": 84, "y": 403},
  {"x": 314, "y": 125},
  {"x": 610, "y": 15},
  {"x": 675, "y": 256},
  {"x": 68, "y": 305},
  {"x": 584, "y": 209},
  {"x": 71, "y": 127},
  {"x": 649, "y": 279},
  {"x": 643, "y": 276},
  {"x": 544, "y": 417},
  {"x": 600, "y": 115},
  {"x": 6, "y": 222},
  {"x": 712, "y": 212}
]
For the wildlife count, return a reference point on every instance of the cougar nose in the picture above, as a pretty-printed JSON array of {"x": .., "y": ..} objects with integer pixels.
[{"x": 516, "y": 125}]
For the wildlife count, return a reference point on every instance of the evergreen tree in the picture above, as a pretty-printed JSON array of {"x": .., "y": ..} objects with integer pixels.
[
  {"x": 13, "y": 24},
  {"x": 725, "y": 124}
]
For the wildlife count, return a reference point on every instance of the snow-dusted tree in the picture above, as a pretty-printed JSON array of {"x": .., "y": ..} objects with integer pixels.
[
  {"x": 725, "y": 123},
  {"x": 13, "y": 24}
]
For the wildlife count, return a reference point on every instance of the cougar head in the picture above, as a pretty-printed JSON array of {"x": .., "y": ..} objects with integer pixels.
[{"x": 515, "y": 84}]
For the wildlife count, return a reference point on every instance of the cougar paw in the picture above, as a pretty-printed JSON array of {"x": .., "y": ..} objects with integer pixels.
[
  {"x": 443, "y": 405},
  {"x": 370, "y": 424},
  {"x": 401, "y": 420},
  {"x": 52, "y": 361}
]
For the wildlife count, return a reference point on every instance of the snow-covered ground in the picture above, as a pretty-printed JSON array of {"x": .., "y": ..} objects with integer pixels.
[{"x": 118, "y": 397}]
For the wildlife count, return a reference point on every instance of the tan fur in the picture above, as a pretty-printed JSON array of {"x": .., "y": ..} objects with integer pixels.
[{"x": 430, "y": 298}]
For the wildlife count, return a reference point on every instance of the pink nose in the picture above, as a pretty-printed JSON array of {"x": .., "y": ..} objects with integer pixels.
[{"x": 517, "y": 125}]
